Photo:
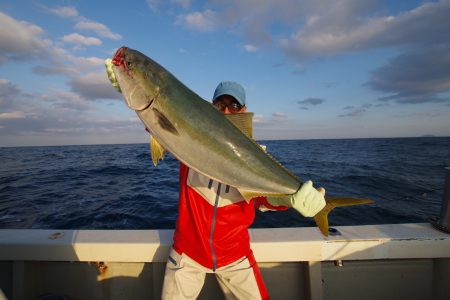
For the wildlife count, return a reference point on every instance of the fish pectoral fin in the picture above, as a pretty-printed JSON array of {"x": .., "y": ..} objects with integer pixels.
[
  {"x": 321, "y": 218},
  {"x": 165, "y": 123},
  {"x": 157, "y": 151}
]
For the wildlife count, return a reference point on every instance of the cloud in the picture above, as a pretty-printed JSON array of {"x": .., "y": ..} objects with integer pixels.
[
  {"x": 317, "y": 29},
  {"x": 64, "y": 11},
  {"x": 345, "y": 29},
  {"x": 183, "y": 3},
  {"x": 10, "y": 96},
  {"x": 83, "y": 23},
  {"x": 250, "y": 48},
  {"x": 49, "y": 114},
  {"x": 64, "y": 100},
  {"x": 241, "y": 17},
  {"x": 155, "y": 4},
  {"x": 310, "y": 102},
  {"x": 69, "y": 65},
  {"x": 323, "y": 28},
  {"x": 259, "y": 119},
  {"x": 415, "y": 98},
  {"x": 16, "y": 103},
  {"x": 16, "y": 106},
  {"x": 279, "y": 115},
  {"x": 86, "y": 63},
  {"x": 99, "y": 28},
  {"x": 53, "y": 114},
  {"x": 21, "y": 40},
  {"x": 94, "y": 86},
  {"x": 201, "y": 21},
  {"x": 7, "y": 90},
  {"x": 54, "y": 70},
  {"x": 12, "y": 115},
  {"x": 299, "y": 71},
  {"x": 326, "y": 28},
  {"x": 28, "y": 43},
  {"x": 76, "y": 38},
  {"x": 354, "y": 113},
  {"x": 330, "y": 84},
  {"x": 260, "y": 23},
  {"x": 416, "y": 76}
]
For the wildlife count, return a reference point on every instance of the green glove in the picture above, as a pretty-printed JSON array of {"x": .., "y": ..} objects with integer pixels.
[
  {"x": 111, "y": 75},
  {"x": 307, "y": 200}
]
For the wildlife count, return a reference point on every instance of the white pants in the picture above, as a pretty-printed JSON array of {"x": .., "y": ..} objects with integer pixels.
[{"x": 184, "y": 278}]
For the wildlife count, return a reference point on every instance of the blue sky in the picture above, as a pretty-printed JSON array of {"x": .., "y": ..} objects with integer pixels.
[{"x": 311, "y": 69}]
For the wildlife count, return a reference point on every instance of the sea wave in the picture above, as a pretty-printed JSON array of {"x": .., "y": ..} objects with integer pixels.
[{"x": 117, "y": 186}]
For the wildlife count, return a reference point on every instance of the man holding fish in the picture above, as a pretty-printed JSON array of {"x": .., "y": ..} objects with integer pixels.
[
  {"x": 211, "y": 234},
  {"x": 224, "y": 175}
]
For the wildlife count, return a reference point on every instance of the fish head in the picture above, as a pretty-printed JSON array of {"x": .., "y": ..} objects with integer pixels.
[{"x": 138, "y": 78}]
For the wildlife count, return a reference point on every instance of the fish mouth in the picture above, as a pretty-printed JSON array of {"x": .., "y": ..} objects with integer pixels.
[
  {"x": 119, "y": 58},
  {"x": 136, "y": 98}
]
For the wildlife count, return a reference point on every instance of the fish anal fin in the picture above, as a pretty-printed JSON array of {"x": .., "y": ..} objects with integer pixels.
[
  {"x": 248, "y": 195},
  {"x": 321, "y": 218},
  {"x": 157, "y": 151}
]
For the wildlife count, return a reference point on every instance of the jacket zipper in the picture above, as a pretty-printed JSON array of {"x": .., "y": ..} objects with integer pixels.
[{"x": 213, "y": 224}]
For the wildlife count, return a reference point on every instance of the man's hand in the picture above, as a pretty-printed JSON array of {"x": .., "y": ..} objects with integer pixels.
[
  {"x": 111, "y": 75},
  {"x": 307, "y": 200}
]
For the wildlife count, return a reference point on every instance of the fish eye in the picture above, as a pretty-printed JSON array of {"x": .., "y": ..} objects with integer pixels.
[{"x": 129, "y": 64}]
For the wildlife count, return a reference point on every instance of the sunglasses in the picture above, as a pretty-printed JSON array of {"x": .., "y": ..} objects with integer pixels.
[{"x": 232, "y": 107}]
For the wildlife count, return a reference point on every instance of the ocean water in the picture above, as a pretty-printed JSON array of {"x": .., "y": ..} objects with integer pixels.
[{"x": 117, "y": 186}]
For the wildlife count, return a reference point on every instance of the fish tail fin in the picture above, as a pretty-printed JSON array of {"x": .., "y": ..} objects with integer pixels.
[{"x": 321, "y": 218}]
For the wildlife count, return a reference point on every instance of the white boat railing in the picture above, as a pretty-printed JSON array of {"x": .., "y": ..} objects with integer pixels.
[{"x": 296, "y": 263}]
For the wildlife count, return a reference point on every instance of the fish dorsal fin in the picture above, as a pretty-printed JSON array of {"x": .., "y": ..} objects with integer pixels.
[{"x": 156, "y": 150}]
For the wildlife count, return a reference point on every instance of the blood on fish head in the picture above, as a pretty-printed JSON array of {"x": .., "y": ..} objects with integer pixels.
[
  {"x": 118, "y": 58},
  {"x": 132, "y": 73}
]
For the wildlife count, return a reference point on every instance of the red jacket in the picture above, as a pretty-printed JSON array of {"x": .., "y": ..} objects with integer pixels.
[{"x": 213, "y": 220}]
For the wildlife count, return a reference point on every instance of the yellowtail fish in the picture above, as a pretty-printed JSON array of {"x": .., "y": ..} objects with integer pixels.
[{"x": 199, "y": 135}]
